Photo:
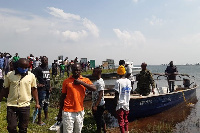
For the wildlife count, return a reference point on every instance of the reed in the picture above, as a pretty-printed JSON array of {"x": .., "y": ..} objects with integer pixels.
[{"x": 160, "y": 127}]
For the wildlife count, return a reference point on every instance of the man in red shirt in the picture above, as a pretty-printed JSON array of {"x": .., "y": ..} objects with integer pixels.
[{"x": 71, "y": 110}]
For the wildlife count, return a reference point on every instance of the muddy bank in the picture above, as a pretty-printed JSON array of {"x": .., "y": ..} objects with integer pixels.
[{"x": 165, "y": 121}]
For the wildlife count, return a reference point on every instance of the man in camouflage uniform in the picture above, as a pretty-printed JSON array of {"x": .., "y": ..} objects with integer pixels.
[{"x": 144, "y": 79}]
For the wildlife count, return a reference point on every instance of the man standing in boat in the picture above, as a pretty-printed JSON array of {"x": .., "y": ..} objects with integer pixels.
[
  {"x": 145, "y": 79},
  {"x": 171, "y": 72},
  {"x": 129, "y": 74}
]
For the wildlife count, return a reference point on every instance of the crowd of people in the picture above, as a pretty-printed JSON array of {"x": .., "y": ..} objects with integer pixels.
[
  {"x": 24, "y": 78},
  {"x": 59, "y": 67}
]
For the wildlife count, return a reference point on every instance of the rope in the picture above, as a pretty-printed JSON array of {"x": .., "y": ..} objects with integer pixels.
[
  {"x": 184, "y": 96},
  {"x": 188, "y": 104}
]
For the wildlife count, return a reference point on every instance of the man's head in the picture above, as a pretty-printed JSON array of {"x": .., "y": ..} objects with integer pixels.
[
  {"x": 44, "y": 60},
  {"x": 16, "y": 54},
  {"x": 7, "y": 54},
  {"x": 171, "y": 63},
  {"x": 2, "y": 55},
  {"x": 66, "y": 58},
  {"x": 76, "y": 70},
  {"x": 143, "y": 66},
  {"x": 122, "y": 62},
  {"x": 22, "y": 65},
  {"x": 127, "y": 63},
  {"x": 97, "y": 72}
]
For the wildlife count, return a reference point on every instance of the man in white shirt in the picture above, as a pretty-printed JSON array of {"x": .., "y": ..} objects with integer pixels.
[
  {"x": 98, "y": 103},
  {"x": 129, "y": 74},
  {"x": 123, "y": 89}
]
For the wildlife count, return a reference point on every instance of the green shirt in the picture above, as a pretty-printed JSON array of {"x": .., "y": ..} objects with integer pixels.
[
  {"x": 15, "y": 58},
  {"x": 62, "y": 67}
]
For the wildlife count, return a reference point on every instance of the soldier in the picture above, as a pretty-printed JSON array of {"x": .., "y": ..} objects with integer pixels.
[{"x": 144, "y": 79}]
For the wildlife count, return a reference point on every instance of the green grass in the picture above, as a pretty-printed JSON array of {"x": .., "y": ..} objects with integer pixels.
[
  {"x": 89, "y": 126},
  {"x": 3, "y": 125},
  {"x": 89, "y": 123}
]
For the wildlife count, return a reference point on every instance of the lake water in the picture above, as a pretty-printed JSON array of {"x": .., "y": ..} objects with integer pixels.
[{"x": 185, "y": 119}]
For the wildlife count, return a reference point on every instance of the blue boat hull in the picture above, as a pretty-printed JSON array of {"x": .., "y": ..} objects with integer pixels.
[{"x": 143, "y": 107}]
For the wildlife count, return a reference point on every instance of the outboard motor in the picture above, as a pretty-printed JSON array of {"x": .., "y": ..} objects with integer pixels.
[{"x": 186, "y": 83}]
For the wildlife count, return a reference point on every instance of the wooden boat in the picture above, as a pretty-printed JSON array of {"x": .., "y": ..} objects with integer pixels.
[
  {"x": 113, "y": 75},
  {"x": 143, "y": 106}
]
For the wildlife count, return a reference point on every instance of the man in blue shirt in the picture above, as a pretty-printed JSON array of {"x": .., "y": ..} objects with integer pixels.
[
  {"x": 2, "y": 61},
  {"x": 7, "y": 57}
]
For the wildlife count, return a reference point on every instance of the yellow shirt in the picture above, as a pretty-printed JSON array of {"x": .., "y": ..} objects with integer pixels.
[{"x": 19, "y": 89}]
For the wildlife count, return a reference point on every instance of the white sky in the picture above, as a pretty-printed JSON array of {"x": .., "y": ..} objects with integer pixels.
[{"x": 151, "y": 31}]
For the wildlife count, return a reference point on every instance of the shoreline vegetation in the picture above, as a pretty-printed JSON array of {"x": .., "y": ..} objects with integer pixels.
[
  {"x": 138, "y": 126},
  {"x": 89, "y": 123}
]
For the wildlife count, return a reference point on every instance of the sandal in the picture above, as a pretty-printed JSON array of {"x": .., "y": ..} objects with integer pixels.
[{"x": 41, "y": 124}]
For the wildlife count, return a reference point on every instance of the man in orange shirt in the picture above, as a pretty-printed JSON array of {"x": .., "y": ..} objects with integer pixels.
[{"x": 71, "y": 110}]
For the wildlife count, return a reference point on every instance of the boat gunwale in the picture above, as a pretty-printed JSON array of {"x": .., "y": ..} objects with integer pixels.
[{"x": 143, "y": 97}]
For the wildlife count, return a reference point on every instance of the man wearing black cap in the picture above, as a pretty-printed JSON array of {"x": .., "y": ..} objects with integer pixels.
[{"x": 171, "y": 72}]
